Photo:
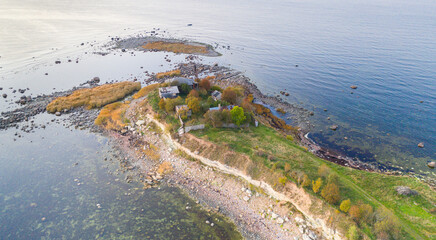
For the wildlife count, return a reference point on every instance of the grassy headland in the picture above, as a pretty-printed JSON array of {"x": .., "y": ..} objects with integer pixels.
[{"x": 176, "y": 47}]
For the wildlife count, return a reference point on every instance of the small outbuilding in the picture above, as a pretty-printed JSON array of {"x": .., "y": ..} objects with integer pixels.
[
  {"x": 216, "y": 95},
  {"x": 169, "y": 92}
]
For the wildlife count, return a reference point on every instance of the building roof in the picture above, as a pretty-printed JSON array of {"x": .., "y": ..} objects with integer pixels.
[
  {"x": 215, "y": 93},
  {"x": 169, "y": 90},
  {"x": 180, "y": 107},
  {"x": 181, "y": 80},
  {"x": 230, "y": 107}
]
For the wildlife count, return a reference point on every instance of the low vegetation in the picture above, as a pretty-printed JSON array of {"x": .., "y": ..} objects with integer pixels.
[
  {"x": 368, "y": 201},
  {"x": 94, "y": 97},
  {"x": 173, "y": 73},
  {"x": 111, "y": 116},
  {"x": 176, "y": 47},
  {"x": 145, "y": 90}
]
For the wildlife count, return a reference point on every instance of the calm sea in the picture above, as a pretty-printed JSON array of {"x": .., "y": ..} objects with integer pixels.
[{"x": 313, "y": 49}]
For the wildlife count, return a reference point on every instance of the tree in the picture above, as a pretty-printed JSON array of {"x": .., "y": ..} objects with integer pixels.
[
  {"x": 214, "y": 118},
  {"x": 355, "y": 213},
  {"x": 331, "y": 193},
  {"x": 227, "y": 116},
  {"x": 345, "y": 205},
  {"x": 306, "y": 181},
  {"x": 205, "y": 83},
  {"x": 193, "y": 104},
  {"x": 283, "y": 180},
  {"x": 162, "y": 104},
  {"x": 238, "y": 115},
  {"x": 185, "y": 88},
  {"x": 229, "y": 95},
  {"x": 316, "y": 185},
  {"x": 367, "y": 213},
  {"x": 170, "y": 104},
  {"x": 193, "y": 93}
]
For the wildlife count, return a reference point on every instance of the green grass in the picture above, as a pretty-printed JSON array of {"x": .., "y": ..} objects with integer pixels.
[{"x": 415, "y": 212}]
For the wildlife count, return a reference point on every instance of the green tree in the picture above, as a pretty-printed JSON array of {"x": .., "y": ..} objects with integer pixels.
[
  {"x": 316, "y": 185},
  {"x": 238, "y": 115},
  {"x": 331, "y": 193},
  {"x": 185, "y": 88},
  {"x": 345, "y": 205}
]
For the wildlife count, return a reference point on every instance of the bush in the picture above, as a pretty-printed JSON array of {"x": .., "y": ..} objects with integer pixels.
[
  {"x": 333, "y": 178},
  {"x": 316, "y": 185},
  {"x": 287, "y": 167},
  {"x": 331, "y": 193},
  {"x": 290, "y": 137},
  {"x": 345, "y": 205},
  {"x": 323, "y": 171},
  {"x": 162, "y": 104},
  {"x": 215, "y": 87},
  {"x": 352, "y": 233},
  {"x": 283, "y": 180},
  {"x": 387, "y": 224}
]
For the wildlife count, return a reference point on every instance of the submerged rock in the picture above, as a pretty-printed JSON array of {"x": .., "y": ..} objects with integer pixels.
[{"x": 334, "y": 127}]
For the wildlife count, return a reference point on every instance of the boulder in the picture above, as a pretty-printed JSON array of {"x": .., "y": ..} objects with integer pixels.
[
  {"x": 421, "y": 144},
  {"x": 353, "y": 87},
  {"x": 334, "y": 127},
  {"x": 405, "y": 191},
  {"x": 5, "y": 95},
  {"x": 431, "y": 164}
]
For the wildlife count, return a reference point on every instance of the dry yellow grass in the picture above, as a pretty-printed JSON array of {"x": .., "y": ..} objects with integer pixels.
[
  {"x": 165, "y": 168},
  {"x": 145, "y": 90},
  {"x": 94, "y": 97},
  {"x": 173, "y": 73},
  {"x": 111, "y": 116},
  {"x": 175, "y": 47}
]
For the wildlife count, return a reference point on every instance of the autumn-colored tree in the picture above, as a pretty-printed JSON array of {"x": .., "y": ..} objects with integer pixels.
[
  {"x": 238, "y": 115},
  {"x": 227, "y": 116},
  {"x": 193, "y": 93},
  {"x": 333, "y": 178},
  {"x": 229, "y": 95},
  {"x": 205, "y": 83},
  {"x": 162, "y": 104},
  {"x": 306, "y": 181},
  {"x": 355, "y": 213},
  {"x": 352, "y": 233},
  {"x": 331, "y": 193},
  {"x": 345, "y": 205},
  {"x": 316, "y": 185},
  {"x": 170, "y": 104},
  {"x": 283, "y": 180},
  {"x": 193, "y": 104}
]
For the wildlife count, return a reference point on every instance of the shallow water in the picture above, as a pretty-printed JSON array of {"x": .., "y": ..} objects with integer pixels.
[
  {"x": 385, "y": 48},
  {"x": 52, "y": 180}
]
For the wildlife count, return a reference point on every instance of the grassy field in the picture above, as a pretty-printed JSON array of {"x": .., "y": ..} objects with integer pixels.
[
  {"x": 176, "y": 47},
  {"x": 94, "y": 97},
  {"x": 416, "y": 214}
]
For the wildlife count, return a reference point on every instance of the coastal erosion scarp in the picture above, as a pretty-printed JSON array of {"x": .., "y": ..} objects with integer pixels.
[{"x": 316, "y": 222}]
